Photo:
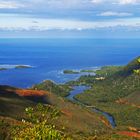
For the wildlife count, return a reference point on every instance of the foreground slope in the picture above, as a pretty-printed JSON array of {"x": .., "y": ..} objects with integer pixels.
[{"x": 78, "y": 121}]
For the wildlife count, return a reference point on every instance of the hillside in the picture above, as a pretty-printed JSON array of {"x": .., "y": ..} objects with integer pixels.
[
  {"x": 78, "y": 122},
  {"x": 11, "y": 104},
  {"x": 58, "y": 89},
  {"x": 112, "y": 82},
  {"x": 114, "y": 89},
  {"x": 118, "y": 93},
  {"x": 133, "y": 65}
]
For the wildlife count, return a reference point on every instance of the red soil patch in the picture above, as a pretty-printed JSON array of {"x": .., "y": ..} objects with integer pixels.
[
  {"x": 66, "y": 112},
  {"x": 134, "y": 129},
  {"x": 130, "y": 134},
  {"x": 27, "y": 92},
  {"x": 123, "y": 101},
  {"x": 103, "y": 120}
]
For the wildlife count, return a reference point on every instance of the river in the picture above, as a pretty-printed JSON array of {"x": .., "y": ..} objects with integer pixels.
[{"x": 80, "y": 89}]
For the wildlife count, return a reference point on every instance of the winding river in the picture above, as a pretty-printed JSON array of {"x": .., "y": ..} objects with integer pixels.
[{"x": 79, "y": 89}]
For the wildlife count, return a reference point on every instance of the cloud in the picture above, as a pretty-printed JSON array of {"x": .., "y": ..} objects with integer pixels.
[
  {"x": 111, "y": 13},
  {"x": 96, "y": 1},
  {"x": 33, "y": 4},
  {"x": 62, "y": 4},
  {"x": 124, "y": 2},
  {"x": 68, "y": 15},
  {"x": 10, "y": 5},
  {"x": 43, "y": 24},
  {"x": 120, "y": 2}
]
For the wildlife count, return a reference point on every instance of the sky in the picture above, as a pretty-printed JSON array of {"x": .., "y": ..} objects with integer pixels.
[{"x": 70, "y": 18}]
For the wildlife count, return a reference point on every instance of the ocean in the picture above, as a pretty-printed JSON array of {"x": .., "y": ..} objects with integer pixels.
[{"x": 49, "y": 57}]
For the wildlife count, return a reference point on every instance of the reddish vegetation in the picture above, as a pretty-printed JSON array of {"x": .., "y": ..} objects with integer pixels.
[
  {"x": 66, "y": 112},
  {"x": 123, "y": 101},
  {"x": 134, "y": 129},
  {"x": 27, "y": 92},
  {"x": 103, "y": 120},
  {"x": 130, "y": 134}
]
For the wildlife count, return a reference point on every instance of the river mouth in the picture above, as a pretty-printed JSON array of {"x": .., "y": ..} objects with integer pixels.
[{"x": 80, "y": 89}]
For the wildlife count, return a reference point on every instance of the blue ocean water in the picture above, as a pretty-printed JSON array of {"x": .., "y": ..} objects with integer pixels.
[{"x": 49, "y": 57}]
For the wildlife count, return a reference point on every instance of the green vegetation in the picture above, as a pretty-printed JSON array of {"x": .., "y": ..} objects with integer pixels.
[
  {"x": 61, "y": 90},
  {"x": 129, "y": 69},
  {"x": 108, "y": 70},
  {"x": 17, "y": 67},
  {"x": 114, "y": 93},
  {"x": 78, "y": 72},
  {"x": 79, "y": 123},
  {"x": 90, "y": 71},
  {"x": 39, "y": 125},
  {"x": 3, "y": 128},
  {"x": 1, "y": 69},
  {"x": 137, "y": 71},
  {"x": 70, "y": 72},
  {"x": 22, "y": 67},
  {"x": 114, "y": 89},
  {"x": 83, "y": 80},
  {"x": 101, "y": 74}
]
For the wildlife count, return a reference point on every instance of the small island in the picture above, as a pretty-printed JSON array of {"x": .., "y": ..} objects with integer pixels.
[
  {"x": 2, "y": 69},
  {"x": 78, "y": 72},
  {"x": 22, "y": 66},
  {"x": 5, "y": 67},
  {"x": 70, "y": 72}
]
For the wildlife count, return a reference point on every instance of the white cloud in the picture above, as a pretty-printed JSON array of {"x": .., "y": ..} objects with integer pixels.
[
  {"x": 41, "y": 24},
  {"x": 111, "y": 13},
  {"x": 123, "y": 2},
  {"x": 96, "y": 1},
  {"x": 10, "y": 5},
  {"x": 120, "y": 2},
  {"x": 62, "y": 4}
]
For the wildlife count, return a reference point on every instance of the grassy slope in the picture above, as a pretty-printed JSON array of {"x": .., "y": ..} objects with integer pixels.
[
  {"x": 11, "y": 104},
  {"x": 78, "y": 121},
  {"x": 134, "y": 98},
  {"x": 60, "y": 90},
  {"x": 105, "y": 94}
]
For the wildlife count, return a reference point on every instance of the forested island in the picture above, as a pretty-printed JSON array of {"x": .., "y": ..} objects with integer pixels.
[
  {"x": 3, "y": 68},
  {"x": 70, "y": 72},
  {"x": 78, "y": 71},
  {"x": 22, "y": 67}
]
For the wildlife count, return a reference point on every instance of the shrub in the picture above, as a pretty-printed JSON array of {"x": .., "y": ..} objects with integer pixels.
[{"x": 39, "y": 125}]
